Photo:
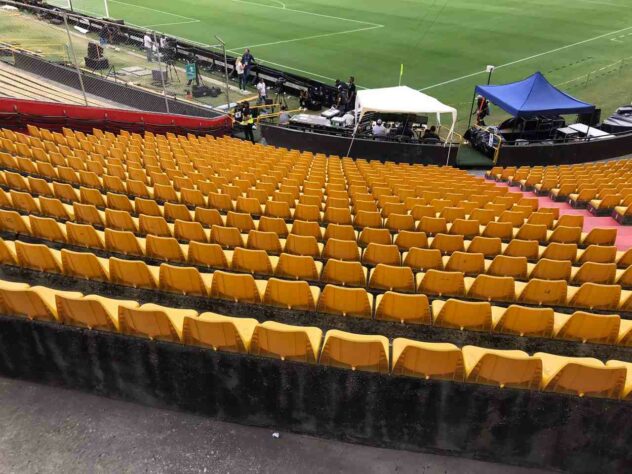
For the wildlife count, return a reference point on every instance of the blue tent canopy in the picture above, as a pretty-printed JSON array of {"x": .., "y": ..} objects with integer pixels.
[{"x": 533, "y": 96}]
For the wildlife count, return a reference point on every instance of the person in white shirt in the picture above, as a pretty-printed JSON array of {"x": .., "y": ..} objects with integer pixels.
[
  {"x": 349, "y": 119},
  {"x": 148, "y": 44},
  {"x": 261, "y": 89},
  {"x": 379, "y": 130},
  {"x": 239, "y": 69},
  {"x": 284, "y": 116}
]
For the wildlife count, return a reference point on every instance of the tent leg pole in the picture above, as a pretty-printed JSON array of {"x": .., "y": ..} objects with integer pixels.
[{"x": 469, "y": 120}]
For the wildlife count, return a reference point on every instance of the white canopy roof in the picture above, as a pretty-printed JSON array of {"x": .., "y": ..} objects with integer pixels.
[{"x": 400, "y": 99}]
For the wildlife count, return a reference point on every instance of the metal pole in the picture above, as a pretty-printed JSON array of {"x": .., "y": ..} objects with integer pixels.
[
  {"x": 107, "y": 9},
  {"x": 71, "y": 7},
  {"x": 221, "y": 41},
  {"x": 74, "y": 60},
  {"x": 162, "y": 76},
  {"x": 469, "y": 121}
]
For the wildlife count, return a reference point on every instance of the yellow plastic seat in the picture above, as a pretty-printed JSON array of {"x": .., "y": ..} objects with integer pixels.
[
  {"x": 153, "y": 225},
  {"x": 208, "y": 255},
  {"x": 92, "y": 311},
  {"x": 218, "y": 332},
  {"x": 252, "y": 261},
  {"x": 626, "y": 392},
  {"x": 84, "y": 265},
  {"x": 598, "y": 254},
  {"x": 154, "y": 322},
  {"x": 47, "y": 228},
  {"x": 91, "y": 196},
  {"x": 298, "y": 267},
  {"x": 393, "y": 278},
  {"x": 542, "y": 292},
  {"x": 441, "y": 361},
  {"x": 345, "y": 301},
  {"x": 355, "y": 351},
  {"x": 341, "y": 250},
  {"x": 267, "y": 241},
  {"x": 373, "y": 235},
  {"x": 403, "y": 308},
  {"x": 175, "y": 212},
  {"x": 488, "y": 246},
  {"x": 437, "y": 282},
  {"x": 190, "y": 231},
  {"x": 24, "y": 202},
  {"x": 37, "y": 257},
  {"x": 367, "y": 219},
  {"x": 582, "y": 376},
  {"x": 565, "y": 235},
  {"x": 308, "y": 212},
  {"x": 306, "y": 245},
  {"x": 227, "y": 237},
  {"x": 165, "y": 248},
  {"x": 547, "y": 269},
  {"x": 285, "y": 342},
  {"x": 522, "y": 248},
  {"x": 344, "y": 273},
  {"x": 124, "y": 242},
  {"x": 276, "y": 225},
  {"x": 243, "y": 222},
  {"x": 593, "y": 272},
  {"x": 37, "y": 302},
  {"x": 472, "y": 263},
  {"x": 406, "y": 240},
  {"x": 476, "y": 316},
  {"x": 467, "y": 228},
  {"x": 587, "y": 327},
  {"x": 448, "y": 244},
  {"x": 594, "y": 296},
  {"x": 53, "y": 207},
  {"x": 184, "y": 280},
  {"x": 491, "y": 288},
  {"x": 423, "y": 259},
  {"x": 433, "y": 225},
  {"x": 337, "y": 215},
  {"x": 503, "y": 265},
  {"x": 399, "y": 222},
  {"x": 88, "y": 214},
  {"x": 500, "y": 230},
  {"x": 134, "y": 273},
  {"x": 523, "y": 320},
  {"x": 600, "y": 236},
  {"x": 242, "y": 288},
  {"x": 11, "y": 221},
  {"x": 559, "y": 251},
  {"x": 503, "y": 368},
  {"x": 291, "y": 294},
  {"x": 208, "y": 217}
]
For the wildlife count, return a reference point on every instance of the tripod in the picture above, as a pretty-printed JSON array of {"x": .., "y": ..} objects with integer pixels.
[
  {"x": 279, "y": 97},
  {"x": 171, "y": 70}
]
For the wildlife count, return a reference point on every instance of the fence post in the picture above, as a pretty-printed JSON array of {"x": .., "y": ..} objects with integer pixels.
[
  {"x": 74, "y": 60},
  {"x": 225, "y": 72},
  {"x": 162, "y": 77}
]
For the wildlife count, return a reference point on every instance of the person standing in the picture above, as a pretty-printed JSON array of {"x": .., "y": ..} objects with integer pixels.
[
  {"x": 248, "y": 124},
  {"x": 379, "y": 130},
  {"x": 247, "y": 60},
  {"x": 351, "y": 93},
  {"x": 261, "y": 89},
  {"x": 239, "y": 69},
  {"x": 148, "y": 44}
]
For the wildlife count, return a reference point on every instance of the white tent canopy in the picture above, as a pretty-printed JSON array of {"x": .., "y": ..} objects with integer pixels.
[{"x": 401, "y": 99}]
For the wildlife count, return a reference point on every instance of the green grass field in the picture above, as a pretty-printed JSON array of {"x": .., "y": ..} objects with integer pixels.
[{"x": 443, "y": 44}]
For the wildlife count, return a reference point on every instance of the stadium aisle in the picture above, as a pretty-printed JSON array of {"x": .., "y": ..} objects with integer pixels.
[{"x": 64, "y": 430}]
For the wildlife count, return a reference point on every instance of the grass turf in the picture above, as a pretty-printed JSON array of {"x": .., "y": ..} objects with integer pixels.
[{"x": 443, "y": 44}]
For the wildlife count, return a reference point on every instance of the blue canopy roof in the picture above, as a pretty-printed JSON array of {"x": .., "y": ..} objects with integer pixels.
[{"x": 533, "y": 96}]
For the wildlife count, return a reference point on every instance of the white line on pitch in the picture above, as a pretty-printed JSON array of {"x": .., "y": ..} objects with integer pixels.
[
  {"x": 151, "y": 9},
  {"x": 324, "y": 35},
  {"x": 186, "y": 22},
  {"x": 306, "y": 12},
  {"x": 561, "y": 48}
]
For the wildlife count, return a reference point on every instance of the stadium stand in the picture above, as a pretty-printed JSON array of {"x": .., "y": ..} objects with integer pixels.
[{"x": 305, "y": 243}]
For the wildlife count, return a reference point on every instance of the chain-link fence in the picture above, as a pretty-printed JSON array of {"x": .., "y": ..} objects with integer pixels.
[{"x": 71, "y": 57}]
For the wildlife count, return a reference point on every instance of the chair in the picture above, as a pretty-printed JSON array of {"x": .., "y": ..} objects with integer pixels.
[
  {"x": 523, "y": 320},
  {"x": 218, "y": 332},
  {"x": 547, "y": 269},
  {"x": 627, "y": 388},
  {"x": 598, "y": 254},
  {"x": 298, "y": 295},
  {"x": 11, "y": 221},
  {"x": 406, "y": 240},
  {"x": 491, "y": 288},
  {"x": 208, "y": 255},
  {"x": 582, "y": 376},
  {"x": 47, "y": 228},
  {"x": 433, "y": 225},
  {"x": 227, "y": 237},
  {"x": 54, "y": 208},
  {"x": 303, "y": 245},
  {"x": 501, "y": 230},
  {"x": 559, "y": 251},
  {"x": 341, "y": 250},
  {"x": 165, "y": 248},
  {"x": 522, "y": 248},
  {"x": 92, "y": 311},
  {"x": 148, "y": 207},
  {"x": 134, "y": 273},
  {"x": 367, "y": 219},
  {"x": 190, "y": 231},
  {"x": 467, "y": 228},
  {"x": 154, "y": 322},
  {"x": 240, "y": 288},
  {"x": 338, "y": 215},
  {"x": 565, "y": 235},
  {"x": 462, "y": 315},
  {"x": 354, "y": 351},
  {"x": 154, "y": 225},
  {"x": 37, "y": 257},
  {"x": 400, "y": 222},
  {"x": 243, "y": 222},
  {"x": 372, "y": 235},
  {"x": 285, "y": 342},
  {"x": 437, "y": 282},
  {"x": 252, "y": 261},
  {"x": 208, "y": 217},
  {"x": 423, "y": 259},
  {"x": 175, "y": 212},
  {"x": 599, "y": 236},
  {"x": 587, "y": 327},
  {"x": 377, "y": 253},
  {"x": 345, "y": 301},
  {"x": 503, "y": 265},
  {"x": 393, "y": 278},
  {"x": 448, "y": 243},
  {"x": 542, "y": 292},
  {"x": 442, "y": 361},
  {"x": 594, "y": 296},
  {"x": 84, "y": 265},
  {"x": 503, "y": 368},
  {"x": 468, "y": 263},
  {"x": 124, "y": 242},
  {"x": 36, "y": 302},
  {"x": 403, "y": 308},
  {"x": 595, "y": 273},
  {"x": 345, "y": 273},
  {"x": 184, "y": 280}
]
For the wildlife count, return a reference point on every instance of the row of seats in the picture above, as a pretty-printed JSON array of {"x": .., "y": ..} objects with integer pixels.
[
  {"x": 341, "y": 294},
  {"x": 502, "y": 368}
]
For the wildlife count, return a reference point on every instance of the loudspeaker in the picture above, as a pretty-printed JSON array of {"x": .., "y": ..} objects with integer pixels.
[
  {"x": 591, "y": 119},
  {"x": 157, "y": 77},
  {"x": 95, "y": 51},
  {"x": 96, "y": 64}
]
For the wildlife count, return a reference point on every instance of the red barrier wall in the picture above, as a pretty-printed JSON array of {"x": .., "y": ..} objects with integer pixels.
[{"x": 16, "y": 113}]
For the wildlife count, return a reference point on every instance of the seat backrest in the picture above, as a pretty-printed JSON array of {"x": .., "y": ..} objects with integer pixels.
[
  {"x": 18, "y": 299},
  {"x": 472, "y": 263},
  {"x": 404, "y": 308},
  {"x": 219, "y": 332},
  {"x": 378, "y": 253},
  {"x": 392, "y": 277},
  {"x": 341, "y": 250},
  {"x": 83, "y": 265},
  {"x": 596, "y": 273},
  {"x": 544, "y": 292},
  {"x": 524, "y": 320},
  {"x": 596, "y": 296},
  {"x": 503, "y": 265},
  {"x": 235, "y": 287},
  {"x": 504, "y": 368},
  {"x": 286, "y": 342},
  {"x": 344, "y": 273},
  {"x": 493, "y": 288},
  {"x": 427, "y": 360},
  {"x": 588, "y": 327},
  {"x": 150, "y": 320},
  {"x": 355, "y": 351},
  {"x": 547, "y": 269},
  {"x": 345, "y": 301},
  {"x": 448, "y": 243},
  {"x": 522, "y": 248},
  {"x": 438, "y": 282},
  {"x": 300, "y": 267},
  {"x": 406, "y": 239},
  {"x": 37, "y": 256},
  {"x": 133, "y": 273},
  {"x": 183, "y": 280},
  {"x": 462, "y": 314}
]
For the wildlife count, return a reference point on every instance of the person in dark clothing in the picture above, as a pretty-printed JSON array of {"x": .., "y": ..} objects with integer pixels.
[
  {"x": 248, "y": 124},
  {"x": 430, "y": 134},
  {"x": 482, "y": 110},
  {"x": 248, "y": 61},
  {"x": 351, "y": 88}
]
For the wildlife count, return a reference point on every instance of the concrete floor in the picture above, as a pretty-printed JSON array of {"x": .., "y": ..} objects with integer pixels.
[{"x": 48, "y": 429}]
